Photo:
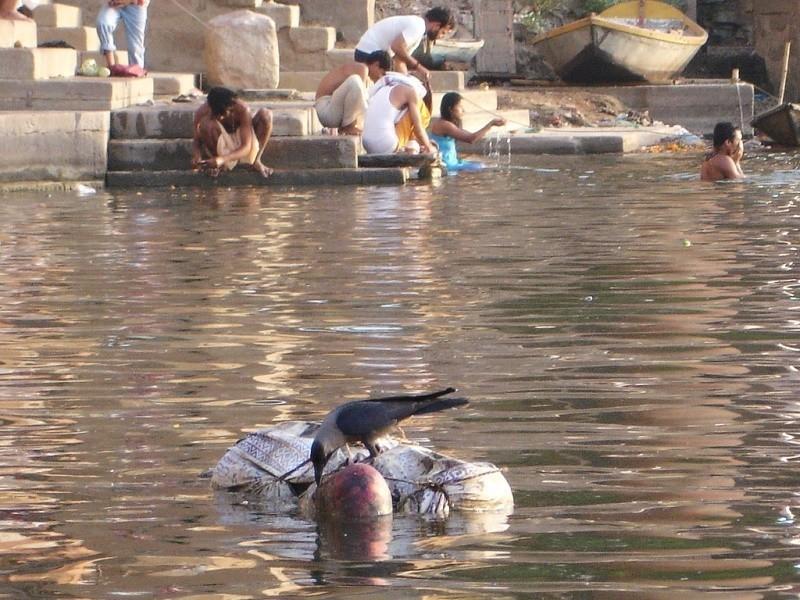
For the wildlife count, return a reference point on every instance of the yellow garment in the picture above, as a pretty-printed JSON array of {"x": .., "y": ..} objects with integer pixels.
[
  {"x": 405, "y": 128},
  {"x": 230, "y": 142}
]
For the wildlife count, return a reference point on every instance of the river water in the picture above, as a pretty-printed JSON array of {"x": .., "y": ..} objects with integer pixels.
[{"x": 629, "y": 339}]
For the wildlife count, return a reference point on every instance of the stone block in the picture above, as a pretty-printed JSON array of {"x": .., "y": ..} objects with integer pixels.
[
  {"x": 351, "y": 18},
  {"x": 298, "y": 177},
  {"x": 447, "y": 81},
  {"x": 338, "y": 56},
  {"x": 175, "y": 120},
  {"x": 241, "y": 50},
  {"x": 80, "y": 38},
  {"x": 37, "y": 63},
  {"x": 284, "y": 15},
  {"x": 171, "y": 84},
  {"x": 322, "y": 152},
  {"x": 302, "y": 81},
  {"x": 75, "y": 93},
  {"x": 53, "y": 146},
  {"x": 57, "y": 15},
  {"x": 312, "y": 39},
  {"x": 17, "y": 34}
]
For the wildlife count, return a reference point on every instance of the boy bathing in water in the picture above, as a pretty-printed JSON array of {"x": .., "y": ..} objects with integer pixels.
[
  {"x": 724, "y": 162},
  {"x": 225, "y": 133}
]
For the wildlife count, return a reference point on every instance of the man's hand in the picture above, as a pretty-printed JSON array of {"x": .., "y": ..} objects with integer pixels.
[
  {"x": 498, "y": 122},
  {"x": 423, "y": 72},
  {"x": 120, "y": 3}
]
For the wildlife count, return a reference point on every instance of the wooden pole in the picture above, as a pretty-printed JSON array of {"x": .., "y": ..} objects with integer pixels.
[
  {"x": 784, "y": 71},
  {"x": 641, "y": 13}
]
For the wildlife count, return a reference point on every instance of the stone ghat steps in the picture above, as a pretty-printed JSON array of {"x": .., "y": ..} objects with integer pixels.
[
  {"x": 307, "y": 81},
  {"x": 17, "y": 34},
  {"x": 313, "y": 152},
  {"x": 516, "y": 120},
  {"x": 74, "y": 93},
  {"x": 37, "y": 63},
  {"x": 242, "y": 177},
  {"x": 175, "y": 120}
]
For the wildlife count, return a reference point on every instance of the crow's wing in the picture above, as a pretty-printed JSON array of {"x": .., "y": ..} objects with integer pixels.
[{"x": 367, "y": 417}]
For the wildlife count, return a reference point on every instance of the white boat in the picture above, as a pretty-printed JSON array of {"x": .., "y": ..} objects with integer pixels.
[
  {"x": 642, "y": 40},
  {"x": 434, "y": 55}
]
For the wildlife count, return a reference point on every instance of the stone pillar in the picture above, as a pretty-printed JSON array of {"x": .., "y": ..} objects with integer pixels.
[{"x": 494, "y": 23}]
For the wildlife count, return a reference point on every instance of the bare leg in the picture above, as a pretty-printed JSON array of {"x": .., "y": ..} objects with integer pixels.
[
  {"x": 262, "y": 125},
  {"x": 8, "y": 10},
  {"x": 110, "y": 59},
  {"x": 208, "y": 131}
]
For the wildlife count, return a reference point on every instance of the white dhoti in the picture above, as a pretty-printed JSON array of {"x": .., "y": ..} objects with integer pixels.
[
  {"x": 230, "y": 142},
  {"x": 346, "y": 106}
]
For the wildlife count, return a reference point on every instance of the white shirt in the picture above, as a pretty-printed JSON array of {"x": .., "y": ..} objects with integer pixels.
[{"x": 381, "y": 35}]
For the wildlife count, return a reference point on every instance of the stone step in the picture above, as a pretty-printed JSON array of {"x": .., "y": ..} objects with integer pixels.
[
  {"x": 120, "y": 56},
  {"x": 17, "y": 34},
  {"x": 316, "y": 152},
  {"x": 175, "y": 120},
  {"x": 57, "y": 15},
  {"x": 307, "y": 81},
  {"x": 74, "y": 93},
  {"x": 171, "y": 84},
  {"x": 242, "y": 177},
  {"x": 80, "y": 38},
  {"x": 37, "y": 63},
  {"x": 338, "y": 56},
  {"x": 284, "y": 15},
  {"x": 475, "y": 100}
]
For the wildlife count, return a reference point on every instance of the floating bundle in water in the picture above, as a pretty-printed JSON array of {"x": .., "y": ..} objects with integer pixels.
[{"x": 273, "y": 464}]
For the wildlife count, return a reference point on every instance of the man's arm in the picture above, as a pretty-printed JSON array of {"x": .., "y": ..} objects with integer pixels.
[
  {"x": 728, "y": 167},
  {"x": 245, "y": 128},
  {"x": 197, "y": 148},
  {"x": 400, "y": 49}
]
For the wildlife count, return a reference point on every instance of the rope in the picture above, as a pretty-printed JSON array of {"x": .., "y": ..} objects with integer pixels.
[
  {"x": 191, "y": 14},
  {"x": 475, "y": 104}
]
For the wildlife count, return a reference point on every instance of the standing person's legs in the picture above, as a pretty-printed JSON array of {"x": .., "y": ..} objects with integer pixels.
[
  {"x": 106, "y": 23},
  {"x": 134, "y": 17}
]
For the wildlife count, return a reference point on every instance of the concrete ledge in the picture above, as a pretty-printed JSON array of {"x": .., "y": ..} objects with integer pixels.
[
  {"x": 697, "y": 105},
  {"x": 475, "y": 100},
  {"x": 320, "y": 152},
  {"x": 37, "y": 63},
  {"x": 312, "y": 38},
  {"x": 168, "y": 121},
  {"x": 245, "y": 177},
  {"x": 80, "y": 38},
  {"x": 284, "y": 15},
  {"x": 17, "y": 33},
  {"x": 49, "y": 186},
  {"x": 47, "y": 146},
  {"x": 575, "y": 141},
  {"x": 171, "y": 84},
  {"x": 74, "y": 93},
  {"x": 307, "y": 81}
]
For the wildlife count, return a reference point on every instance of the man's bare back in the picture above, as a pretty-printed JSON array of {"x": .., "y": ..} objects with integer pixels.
[{"x": 336, "y": 77}]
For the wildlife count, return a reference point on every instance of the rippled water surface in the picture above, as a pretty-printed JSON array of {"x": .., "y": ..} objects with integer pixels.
[{"x": 629, "y": 338}]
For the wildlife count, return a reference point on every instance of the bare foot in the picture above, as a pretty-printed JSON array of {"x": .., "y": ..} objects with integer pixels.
[
  {"x": 262, "y": 169},
  {"x": 351, "y": 130}
]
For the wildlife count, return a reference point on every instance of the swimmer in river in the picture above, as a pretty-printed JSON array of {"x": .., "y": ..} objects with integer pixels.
[
  {"x": 447, "y": 129},
  {"x": 724, "y": 162}
]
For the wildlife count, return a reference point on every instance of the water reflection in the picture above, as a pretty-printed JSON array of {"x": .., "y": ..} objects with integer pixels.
[{"x": 627, "y": 336}]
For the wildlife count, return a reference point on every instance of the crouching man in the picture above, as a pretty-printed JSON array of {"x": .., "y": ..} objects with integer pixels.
[{"x": 225, "y": 133}]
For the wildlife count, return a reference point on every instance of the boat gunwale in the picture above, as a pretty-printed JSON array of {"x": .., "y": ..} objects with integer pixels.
[{"x": 695, "y": 38}]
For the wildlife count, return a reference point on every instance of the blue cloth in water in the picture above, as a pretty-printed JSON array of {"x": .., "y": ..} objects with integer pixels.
[{"x": 447, "y": 150}]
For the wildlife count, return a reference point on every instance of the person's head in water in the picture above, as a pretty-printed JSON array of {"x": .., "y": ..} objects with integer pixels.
[
  {"x": 220, "y": 99},
  {"x": 378, "y": 63},
  {"x": 438, "y": 22},
  {"x": 451, "y": 108},
  {"x": 727, "y": 137}
]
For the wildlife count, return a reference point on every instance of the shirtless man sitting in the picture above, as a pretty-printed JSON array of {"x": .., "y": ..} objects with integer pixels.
[
  {"x": 724, "y": 162},
  {"x": 225, "y": 133},
  {"x": 341, "y": 99}
]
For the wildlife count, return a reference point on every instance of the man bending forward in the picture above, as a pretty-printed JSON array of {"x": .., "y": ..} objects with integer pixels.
[
  {"x": 225, "y": 134},
  {"x": 341, "y": 99}
]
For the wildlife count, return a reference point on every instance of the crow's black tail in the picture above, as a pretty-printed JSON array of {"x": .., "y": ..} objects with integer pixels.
[
  {"x": 442, "y": 404},
  {"x": 415, "y": 398}
]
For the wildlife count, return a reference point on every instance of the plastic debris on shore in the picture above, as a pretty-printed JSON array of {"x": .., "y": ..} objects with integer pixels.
[
  {"x": 85, "y": 190},
  {"x": 272, "y": 465}
]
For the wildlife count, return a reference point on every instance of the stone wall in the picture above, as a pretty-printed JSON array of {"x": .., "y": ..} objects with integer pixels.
[{"x": 775, "y": 22}]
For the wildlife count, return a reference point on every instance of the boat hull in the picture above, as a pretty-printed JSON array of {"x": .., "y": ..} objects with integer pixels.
[
  {"x": 448, "y": 50},
  {"x": 610, "y": 47},
  {"x": 781, "y": 124}
]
